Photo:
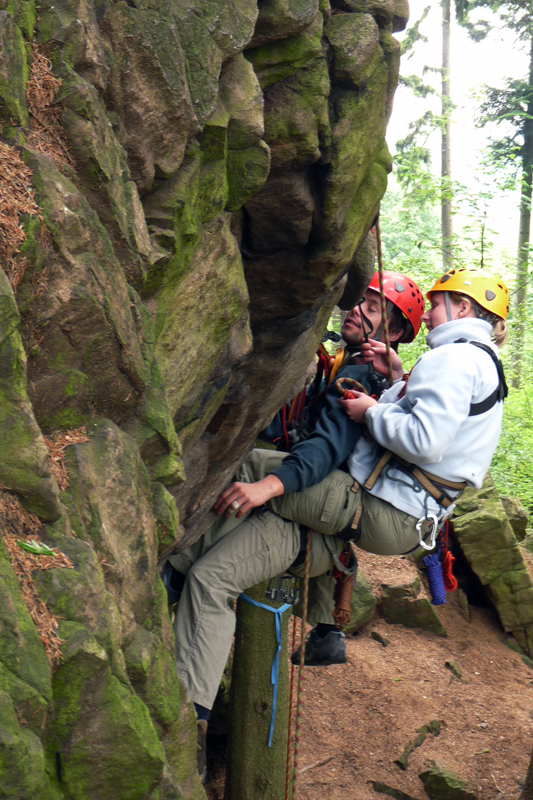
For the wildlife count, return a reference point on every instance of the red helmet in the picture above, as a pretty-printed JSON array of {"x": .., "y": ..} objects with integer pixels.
[{"x": 405, "y": 295}]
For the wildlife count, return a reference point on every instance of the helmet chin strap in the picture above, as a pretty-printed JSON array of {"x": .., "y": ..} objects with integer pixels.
[
  {"x": 366, "y": 322},
  {"x": 447, "y": 306}
]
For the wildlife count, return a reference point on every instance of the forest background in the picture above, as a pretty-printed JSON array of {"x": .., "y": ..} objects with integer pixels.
[{"x": 489, "y": 104}]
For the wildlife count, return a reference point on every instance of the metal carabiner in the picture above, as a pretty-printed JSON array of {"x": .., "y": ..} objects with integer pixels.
[{"x": 433, "y": 539}]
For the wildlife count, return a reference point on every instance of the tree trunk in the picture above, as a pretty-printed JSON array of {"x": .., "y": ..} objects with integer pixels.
[
  {"x": 522, "y": 262},
  {"x": 446, "y": 155},
  {"x": 254, "y": 770}
]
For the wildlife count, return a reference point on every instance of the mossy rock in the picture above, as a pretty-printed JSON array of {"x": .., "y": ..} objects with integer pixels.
[
  {"x": 400, "y": 606},
  {"x": 21, "y": 651},
  {"x": 363, "y": 604},
  {"x": 441, "y": 784},
  {"x": 355, "y": 41},
  {"x": 100, "y": 734},
  {"x": 281, "y": 59},
  {"x": 14, "y": 72},
  {"x": 22, "y": 760},
  {"x": 486, "y": 538},
  {"x": 25, "y": 464},
  {"x": 280, "y": 19}
]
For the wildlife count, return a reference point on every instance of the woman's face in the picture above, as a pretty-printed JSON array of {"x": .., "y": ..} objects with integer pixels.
[{"x": 436, "y": 315}]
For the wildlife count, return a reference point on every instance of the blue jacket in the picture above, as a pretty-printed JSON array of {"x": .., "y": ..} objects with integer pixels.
[{"x": 331, "y": 441}]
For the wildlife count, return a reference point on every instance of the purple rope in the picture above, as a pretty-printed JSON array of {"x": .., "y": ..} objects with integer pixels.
[{"x": 435, "y": 579}]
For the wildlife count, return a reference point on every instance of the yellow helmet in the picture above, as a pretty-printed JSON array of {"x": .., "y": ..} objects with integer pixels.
[{"x": 485, "y": 289}]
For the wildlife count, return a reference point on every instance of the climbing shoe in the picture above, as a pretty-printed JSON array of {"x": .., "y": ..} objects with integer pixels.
[
  {"x": 201, "y": 759},
  {"x": 322, "y": 651},
  {"x": 173, "y": 582}
]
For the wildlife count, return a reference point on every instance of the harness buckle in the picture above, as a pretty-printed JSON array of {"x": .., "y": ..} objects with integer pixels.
[{"x": 435, "y": 526}]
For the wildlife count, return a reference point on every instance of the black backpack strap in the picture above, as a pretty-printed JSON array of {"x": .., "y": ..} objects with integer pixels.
[{"x": 501, "y": 391}]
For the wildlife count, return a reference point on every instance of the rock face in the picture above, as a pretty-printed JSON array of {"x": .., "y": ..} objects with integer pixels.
[
  {"x": 486, "y": 538},
  {"x": 203, "y": 177}
]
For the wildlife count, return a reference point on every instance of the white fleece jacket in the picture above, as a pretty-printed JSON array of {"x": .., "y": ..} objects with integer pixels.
[{"x": 429, "y": 426}]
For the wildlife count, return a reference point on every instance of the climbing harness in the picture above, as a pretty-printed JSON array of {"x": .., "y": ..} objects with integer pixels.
[
  {"x": 283, "y": 589},
  {"x": 500, "y": 393},
  {"x": 278, "y": 612}
]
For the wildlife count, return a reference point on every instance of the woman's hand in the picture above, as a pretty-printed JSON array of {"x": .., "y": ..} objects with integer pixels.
[
  {"x": 357, "y": 407},
  {"x": 247, "y": 496},
  {"x": 377, "y": 353}
]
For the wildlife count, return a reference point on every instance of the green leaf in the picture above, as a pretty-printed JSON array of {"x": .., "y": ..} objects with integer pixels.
[{"x": 37, "y": 548}]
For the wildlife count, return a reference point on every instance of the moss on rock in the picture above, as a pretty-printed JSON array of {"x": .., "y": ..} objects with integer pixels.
[
  {"x": 100, "y": 735},
  {"x": 14, "y": 72}
]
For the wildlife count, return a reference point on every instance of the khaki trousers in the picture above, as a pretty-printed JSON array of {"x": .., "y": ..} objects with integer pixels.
[{"x": 235, "y": 554}]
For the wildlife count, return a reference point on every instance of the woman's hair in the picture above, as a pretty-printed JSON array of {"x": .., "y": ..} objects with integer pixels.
[
  {"x": 397, "y": 321},
  {"x": 500, "y": 334}
]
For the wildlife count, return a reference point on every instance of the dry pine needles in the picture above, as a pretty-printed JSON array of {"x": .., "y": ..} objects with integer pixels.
[{"x": 16, "y": 523}]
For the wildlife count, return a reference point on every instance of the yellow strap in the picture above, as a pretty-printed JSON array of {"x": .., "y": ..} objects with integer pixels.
[
  {"x": 378, "y": 469},
  {"x": 339, "y": 358}
]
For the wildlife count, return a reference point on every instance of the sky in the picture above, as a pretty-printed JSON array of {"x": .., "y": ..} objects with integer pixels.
[{"x": 473, "y": 64}]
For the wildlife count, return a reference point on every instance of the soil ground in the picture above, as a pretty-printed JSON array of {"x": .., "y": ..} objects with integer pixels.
[{"x": 359, "y": 717}]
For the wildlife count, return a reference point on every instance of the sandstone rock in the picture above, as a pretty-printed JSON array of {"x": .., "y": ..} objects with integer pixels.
[
  {"x": 149, "y": 65},
  {"x": 100, "y": 732},
  {"x": 25, "y": 464},
  {"x": 75, "y": 25},
  {"x": 393, "y": 13},
  {"x": 20, "y": 747},
  {"x": 280, "y": 19},
  {"x": 486, "y": 538},
  {"x": 24, "y": 671},
  {"x": 401, "y": 606},
  {"x": 13, "y": 72},
  {"x": 517, "y": 516},
  {"x": 201, "y": 131}
]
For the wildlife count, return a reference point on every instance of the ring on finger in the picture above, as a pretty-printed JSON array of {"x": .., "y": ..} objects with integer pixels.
[{"x": 235, "y": 505}]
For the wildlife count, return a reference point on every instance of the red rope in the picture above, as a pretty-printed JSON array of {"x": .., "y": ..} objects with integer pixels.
[
  {"x": 291, "y": 702},
  {"x": 383, "y": 305},
  {"x": 284, "y": 425},
  {"x": 450, "y": 581}
]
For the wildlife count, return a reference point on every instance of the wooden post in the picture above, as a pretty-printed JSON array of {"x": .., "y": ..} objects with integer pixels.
[{"x": 254, "y": 770}]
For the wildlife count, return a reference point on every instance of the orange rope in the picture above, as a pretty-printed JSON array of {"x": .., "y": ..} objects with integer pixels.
[
  {"x": 343, "y": 596},
  {"x": 305, "y": 597},
  {"x": 383, "y": 306},
  {"x": 291, "y": 702}
]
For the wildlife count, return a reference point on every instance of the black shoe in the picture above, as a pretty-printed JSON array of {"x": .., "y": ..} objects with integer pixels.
[
  {"x": 173, "y": 582},
  {"x": 201, "y": 759},
  {"x": 321, "y": 652}
]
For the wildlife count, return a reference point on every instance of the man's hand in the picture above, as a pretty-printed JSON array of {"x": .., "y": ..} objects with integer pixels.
[
  {"x": 248, "y": 495},
  {"x": 357, "y": 407},
  {"x": 377, "y": 352}
]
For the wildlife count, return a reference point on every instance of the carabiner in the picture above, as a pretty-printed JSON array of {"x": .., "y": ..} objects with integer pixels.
[{"x": 433, "y": 539}]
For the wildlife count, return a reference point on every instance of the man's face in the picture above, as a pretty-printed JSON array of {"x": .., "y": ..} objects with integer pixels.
[{"x": 352, "y": 330}]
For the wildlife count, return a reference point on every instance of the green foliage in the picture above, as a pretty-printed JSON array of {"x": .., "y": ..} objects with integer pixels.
[{"x": 512, "y": 465}]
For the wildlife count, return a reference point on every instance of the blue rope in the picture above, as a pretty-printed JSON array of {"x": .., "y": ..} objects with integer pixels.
[
  {"x": 275, "y": 663},
  {"x": 435, "y": 579}
]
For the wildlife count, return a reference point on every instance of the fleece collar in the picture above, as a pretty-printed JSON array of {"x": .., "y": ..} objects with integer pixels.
[{"x": 477, "y": 330}]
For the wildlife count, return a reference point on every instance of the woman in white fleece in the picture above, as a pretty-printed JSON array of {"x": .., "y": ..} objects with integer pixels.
[{"x": 427, "y": 437}]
